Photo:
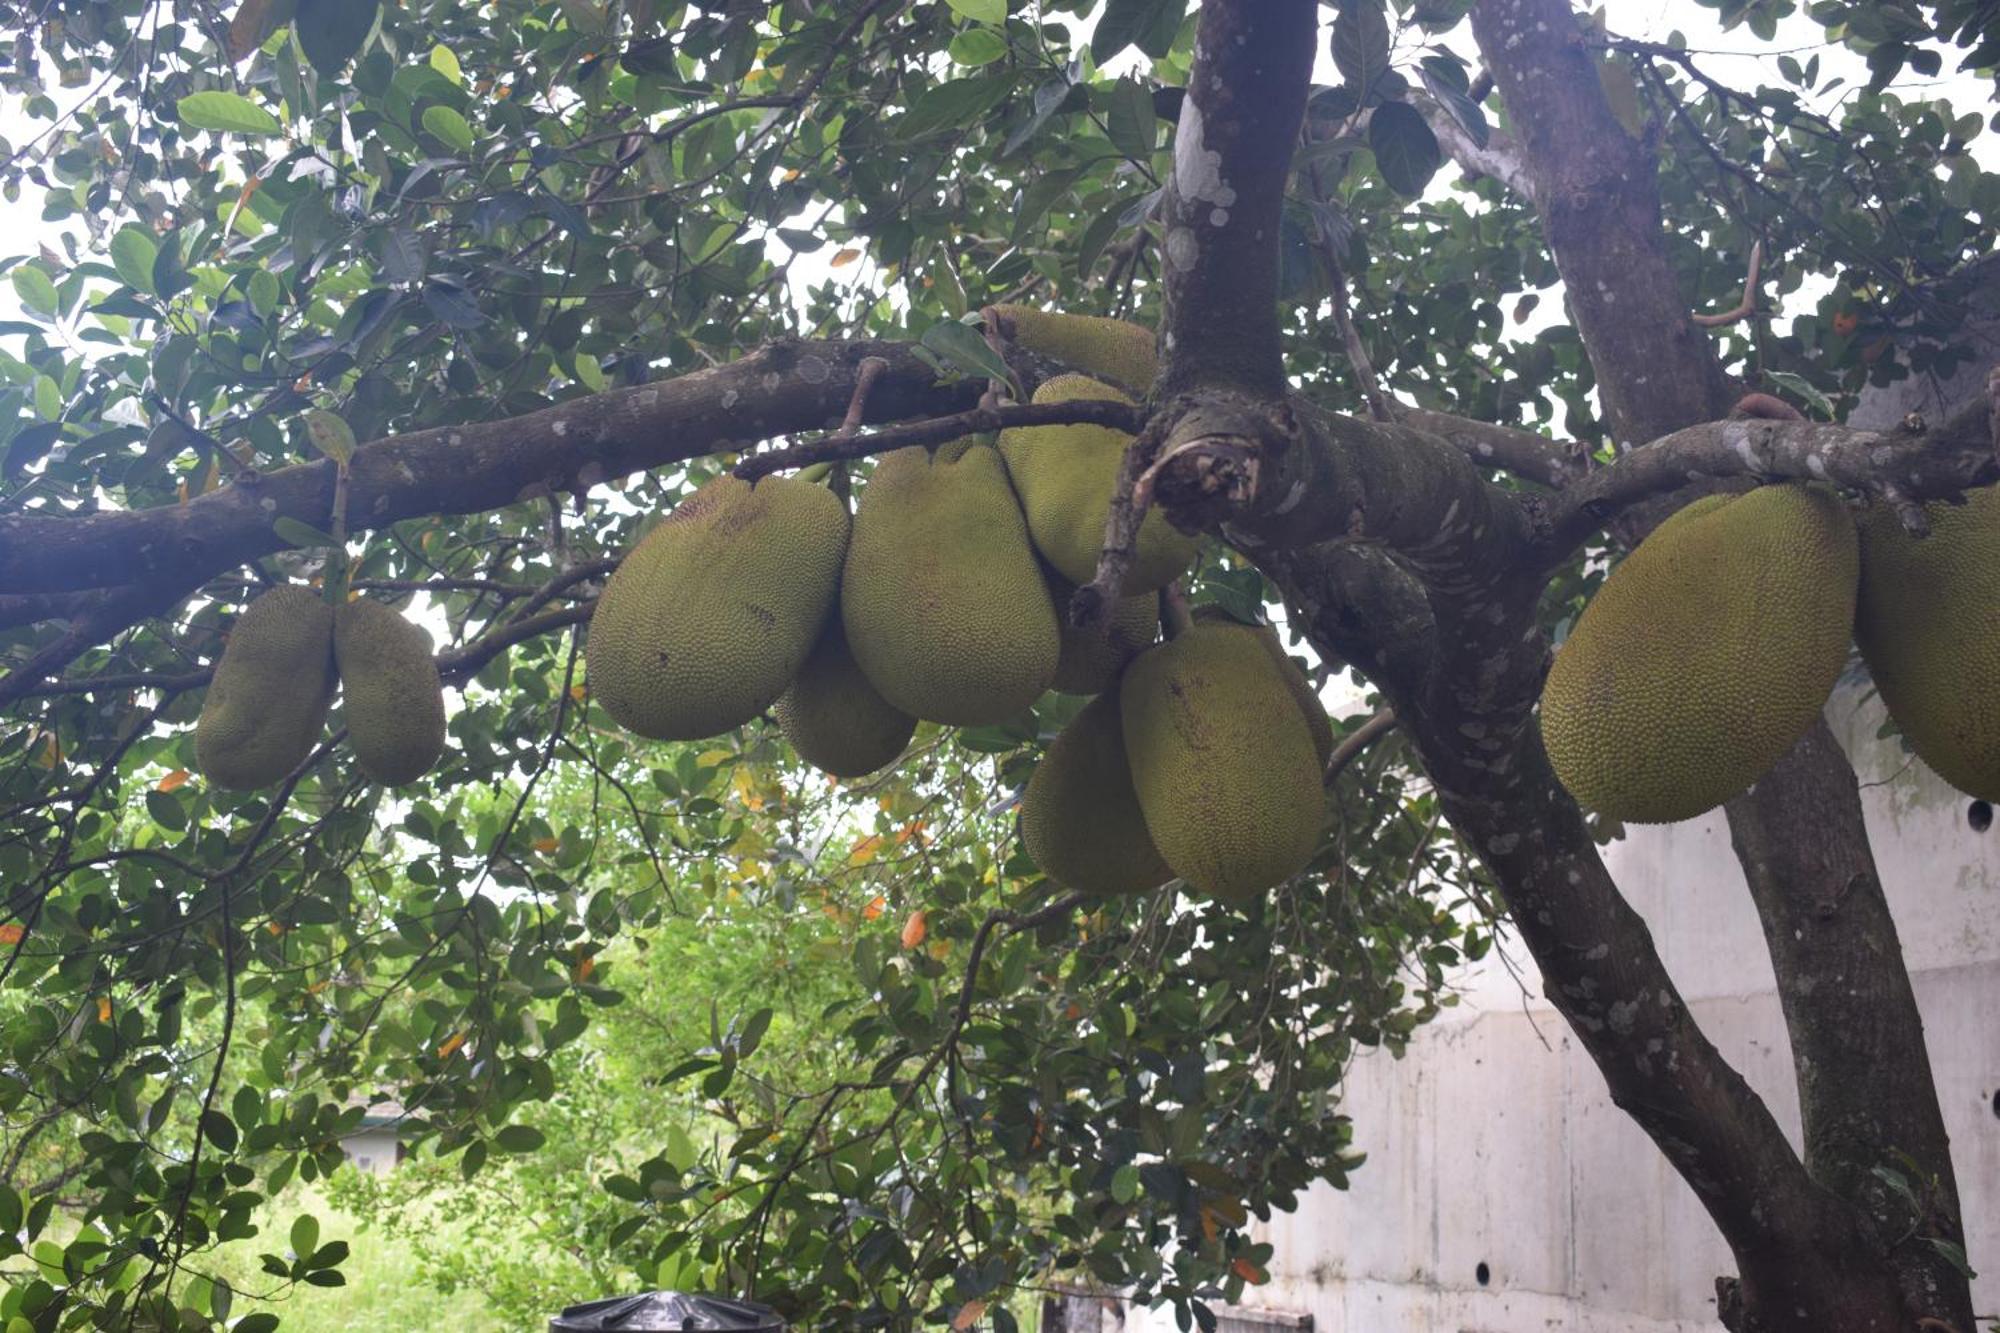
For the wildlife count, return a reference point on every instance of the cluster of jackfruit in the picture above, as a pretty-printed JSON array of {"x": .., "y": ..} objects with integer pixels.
[
  {"x": 1711, "y": 649},
  {"x": 268, "y": 700},
  {"x": 941, "y": 600}
]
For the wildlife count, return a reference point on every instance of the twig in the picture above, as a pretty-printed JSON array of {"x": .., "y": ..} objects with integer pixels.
[
  {"x": 1091, "y": 606},
  {"x": 979, "y": 421},
  {"x": 1748, "y": 305},
  {"x": 871, "y": 369},
  {"x": 1358, "y": 740}
]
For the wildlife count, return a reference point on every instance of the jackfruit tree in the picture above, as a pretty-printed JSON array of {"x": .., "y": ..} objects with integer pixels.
[{"x": 972, "y": 597}]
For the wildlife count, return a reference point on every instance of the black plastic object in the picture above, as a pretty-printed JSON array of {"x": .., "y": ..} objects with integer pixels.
[{"x": 656, "y": 1310}]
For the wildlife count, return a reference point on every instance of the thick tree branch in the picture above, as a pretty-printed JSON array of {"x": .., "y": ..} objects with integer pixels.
[
  {"x": 1902, "y": 466},
  {"x": 1499, "y": 159},
  {"x": 1232, "y": 153},
  {"x": 479, "y": 466},
  {"x": 1519, "y": 453}
]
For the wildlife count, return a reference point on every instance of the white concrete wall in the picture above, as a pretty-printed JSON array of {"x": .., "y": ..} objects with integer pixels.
[
  {"x": 1494, "y": 1141},
  {"x": 372, "y": 1150}
]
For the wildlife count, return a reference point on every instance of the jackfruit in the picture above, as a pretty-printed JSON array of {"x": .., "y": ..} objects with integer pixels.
[
  {"x": 1928, "y": 622},
  {"x": 394, "y": 701},
  {"x": 1108, "y": 348},
  {"x": 1223, "y": 761},
  {"x": 1092, "y": 658},
  {"x": 1705, "y": 655},
  {"x": 709, "y": 618},
  {"x": 1295, "y": 680},
  {"x": 1065, "y": 476},
  {"x": 1080, "y": 817},
  {"x": 944, "y": 605},
  {"x": 269, "y": 696},
  {"x": 836, "y": 720}
]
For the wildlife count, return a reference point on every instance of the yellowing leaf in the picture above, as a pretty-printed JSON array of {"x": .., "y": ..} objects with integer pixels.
[
  {"x": 968, "y": 1315},
  {"x": 865, "y": 850},
  {"x": 274, "y": 928},
  {"x": 914, "y": 929},
  {"x": 12, "y": 933},
  {"x": 844, "y": 257},
  {"x": 51, "y": 751},
  {"x": 104, "y": 1008},
  {"x": 577, "y": 692},
  {"x": 585, "y": 966},
  {"x": 330, "y": 435},
  {"x": 1249, "y": 1272},
  {"x": 173, "y": 781},
  {"x": 544, "y": 845},
  {"x": 451, "y": 1044},
  {"x": 873, "y": 911}
]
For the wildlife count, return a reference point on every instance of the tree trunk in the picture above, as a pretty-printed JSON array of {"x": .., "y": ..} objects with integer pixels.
[{"x": 1865, "y": 1084}]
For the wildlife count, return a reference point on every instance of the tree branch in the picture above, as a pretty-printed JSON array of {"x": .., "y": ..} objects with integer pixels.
[
  {"x": 1232, "y": 154},
  {"x": 477, "y": 467},
  {"x": 980, "y": 420},
  {"x": 1900, "y": 466}
]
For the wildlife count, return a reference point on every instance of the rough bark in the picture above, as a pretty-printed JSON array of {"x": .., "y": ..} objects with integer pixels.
[{"x": 1232, "y": 152}]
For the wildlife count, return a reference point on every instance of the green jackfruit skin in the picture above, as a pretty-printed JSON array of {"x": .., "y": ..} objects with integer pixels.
[
  {"x": 1222, "y": 760},
  {"x": 1929, "y": 631},
  {"x": 944, "y": 605},
  {"x": 1065, "y": 476},
  {"x": 709, "y": 618},
  {"x": 1705, "y": 655},
  {"x": 1108, "y": 348},
  {"x": 1080, "y": 817},
  {"x": 268, "y": 699},
  {"x": 836, "y": 720},
  {"x": 1091, "y": 659},
  {"x": 394, "y": 701},
  {"x": 1295, "y": 680}
]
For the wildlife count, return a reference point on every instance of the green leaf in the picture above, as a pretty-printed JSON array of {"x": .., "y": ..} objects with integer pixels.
[
  {"x": 1821, "y": 405},
  {"x": 133, "y": 251},
  {"x": 225, "y": 113},
  {"x": 36, "y": 292},
  {"x": 261, "y": 1322},
  {"x": 448, "y": 127},
  {"x": 977, "y": 46},
  {"x": 952, "y": 105},
  {"x": 1361, "y": 44},
  {"x": 330, "y": 435},
  {"x": 219, "y": 1129},
  {"x": 1446, "y": 82},
  {"x": 48, "y": 398},
  {"x": 1149, "y": 23},
  {"x": 1125, "y": 1183},
  {"x": 966, "y": 348},
  {"x": 331, "y": 31},
  {"x": 980, "y": 11},
  {"x": 1406, "y": 152},
  {"x": 445, "y": 63},
  {"x": 519, "y": 1138},
  {"x": 1131, "y": 124},
  {"x": 305, "y": 1235},
  {"x": 167, "y": 812},
  {"x": 263, "y": 291}
]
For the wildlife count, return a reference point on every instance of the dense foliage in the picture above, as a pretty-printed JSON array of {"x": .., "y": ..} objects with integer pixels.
[{"x": 937, "y": 1088}]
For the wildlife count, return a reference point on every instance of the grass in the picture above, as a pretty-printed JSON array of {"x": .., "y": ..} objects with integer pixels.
[{"x": 384, "y": 1292}]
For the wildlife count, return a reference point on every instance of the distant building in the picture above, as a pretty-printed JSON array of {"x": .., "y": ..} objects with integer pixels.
[{"x": 376, "y": 1145}]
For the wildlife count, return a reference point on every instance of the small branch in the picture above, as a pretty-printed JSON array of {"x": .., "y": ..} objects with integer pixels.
[
  {"x": 1350, "y": 337},
  {"x": 871, "y": 369},
  {"x": 1355, "y": 742},
  {"x": 1747, "y": 306},
  {"x": 1499, "y": 160},
  {"x": 1090, "y": 607},
  {"x": 837, "y": 447}
]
